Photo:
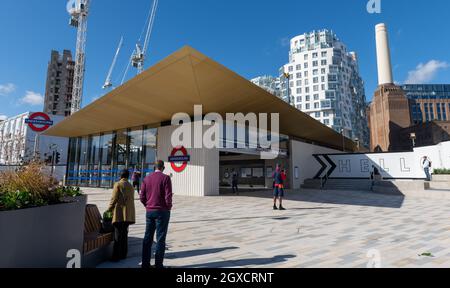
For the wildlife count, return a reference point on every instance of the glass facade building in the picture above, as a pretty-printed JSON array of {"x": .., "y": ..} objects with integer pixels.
[
  {"x": 96, "y": 160},
  {"x": 428, "y": 102}
]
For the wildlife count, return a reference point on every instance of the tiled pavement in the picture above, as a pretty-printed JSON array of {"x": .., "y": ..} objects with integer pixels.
[{"x": 319, "y": 229}]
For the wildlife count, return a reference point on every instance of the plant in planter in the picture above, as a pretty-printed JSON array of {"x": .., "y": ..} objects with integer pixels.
[
  {"x": 34, "y": 206},
  {"x": 441, "y": 171},
  {"x": 31, "y": 186}
]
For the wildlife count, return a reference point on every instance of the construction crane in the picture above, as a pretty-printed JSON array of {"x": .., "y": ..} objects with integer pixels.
[
  {"x": 139, "y": 55},
  {"x": 79, "y": 10},
  {"x": 108, "y": 82}
]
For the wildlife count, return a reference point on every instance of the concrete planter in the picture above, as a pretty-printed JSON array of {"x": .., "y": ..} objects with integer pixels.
[
  {"x": 41, "y": 237},
  {"x": 441, "y": 178}
]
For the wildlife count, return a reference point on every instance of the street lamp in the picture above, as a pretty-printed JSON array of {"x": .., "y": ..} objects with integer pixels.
[
  {"x": 343, "y": 139},
  {"x": 413, "y": 138}
]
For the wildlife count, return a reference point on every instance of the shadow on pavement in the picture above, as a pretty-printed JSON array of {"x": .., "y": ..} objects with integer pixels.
[
  {"x": 252, "y": 262},
  {"x": 353, "y": 198},
  {"x": 195, "y": 253}
]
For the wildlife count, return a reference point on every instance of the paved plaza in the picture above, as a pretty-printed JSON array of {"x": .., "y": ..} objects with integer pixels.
[{"x": 319, "y": 229}]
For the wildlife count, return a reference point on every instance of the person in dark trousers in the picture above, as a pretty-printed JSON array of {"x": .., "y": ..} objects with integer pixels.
[
  {"x": 124, "y": 214},
  {"x": 156, "y": 195},
  {"x": 278, "y": 192},
  {"x": 136, "y": 179},
  {"x": 426, "y": 164},
  {"x": 234, "y": 182}
]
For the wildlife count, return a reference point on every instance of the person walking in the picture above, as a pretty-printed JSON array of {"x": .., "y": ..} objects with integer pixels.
[
  {"x": 136, "y": 179},
  {"x": 278, "y": 192},
  {"x": 124, "y": 214},
  {"x": 426, "y": 164},
  {"x": 234, "y": 182},
  {"x": 156, "y": 196}
]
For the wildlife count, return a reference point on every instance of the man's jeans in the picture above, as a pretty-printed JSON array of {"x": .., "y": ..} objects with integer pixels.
[
  {"x": 157, "y": 221},
  {"x": 427, "y": 173}
]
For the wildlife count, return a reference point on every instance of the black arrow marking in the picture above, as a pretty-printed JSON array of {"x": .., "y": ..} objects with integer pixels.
[
  {"x": 324, "y": 166},
  {"x": 333, "y": 165}
]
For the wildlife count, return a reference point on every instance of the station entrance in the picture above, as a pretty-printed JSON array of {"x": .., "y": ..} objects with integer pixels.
[{"x": 253, "y": 173}]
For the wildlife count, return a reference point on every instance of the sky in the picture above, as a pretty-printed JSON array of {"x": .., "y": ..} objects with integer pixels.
[{"x": 251, "y": 37}]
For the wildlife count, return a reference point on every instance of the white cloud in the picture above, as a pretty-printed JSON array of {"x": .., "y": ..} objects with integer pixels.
[
  {"x": 424, "y": 73},
  {"x": 6, "y": 89},
  {"x": 3, "y": 117},
  {"x": 33, "y": 98}
]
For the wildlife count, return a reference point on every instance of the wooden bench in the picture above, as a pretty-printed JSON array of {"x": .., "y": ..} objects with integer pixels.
[{"x": 93, "y": 238}]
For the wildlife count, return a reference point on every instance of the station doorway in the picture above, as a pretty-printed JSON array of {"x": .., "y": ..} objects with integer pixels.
[{"x": 253, "y": 173}]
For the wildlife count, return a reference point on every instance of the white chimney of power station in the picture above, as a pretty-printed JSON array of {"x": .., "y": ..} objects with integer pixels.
[{"x": 383, "y": 56}]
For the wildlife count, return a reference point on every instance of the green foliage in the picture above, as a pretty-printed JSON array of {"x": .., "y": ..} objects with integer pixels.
[
  {"x": 32, "y": 186},
  {"x": 442, "y": 171},
  {"x": 107, "y": 216}
]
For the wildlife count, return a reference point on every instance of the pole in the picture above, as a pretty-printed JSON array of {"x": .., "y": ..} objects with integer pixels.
[{"x": 36, "y": 146}]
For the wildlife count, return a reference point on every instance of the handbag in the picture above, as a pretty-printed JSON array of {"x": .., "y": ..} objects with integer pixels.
[{"x": 107, "y": 226}]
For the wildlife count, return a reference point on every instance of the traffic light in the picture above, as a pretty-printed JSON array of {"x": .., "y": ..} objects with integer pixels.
[{"x": 57, "y": 158}]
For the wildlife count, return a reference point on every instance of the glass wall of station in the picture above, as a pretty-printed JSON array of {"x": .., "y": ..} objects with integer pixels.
[{"x": 96, "y": 160}]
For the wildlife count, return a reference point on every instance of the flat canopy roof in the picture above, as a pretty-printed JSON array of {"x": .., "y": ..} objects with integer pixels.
[{"x": 177, "y": 83}]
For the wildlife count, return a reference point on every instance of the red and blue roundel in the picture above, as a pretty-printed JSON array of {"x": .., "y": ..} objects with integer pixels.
[
  {"x": 39, "y": 122},
  {"x": 177, "y": 161}
]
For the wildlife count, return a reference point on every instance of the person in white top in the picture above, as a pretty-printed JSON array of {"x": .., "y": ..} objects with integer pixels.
[{"x": 426, "y": 164}]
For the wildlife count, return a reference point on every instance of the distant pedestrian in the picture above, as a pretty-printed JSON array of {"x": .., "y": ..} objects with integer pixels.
[
  {"x": 426, "y": 164},
  {"x": 156, "y": 196},
  {"x": 278, "y": 192},
  {"x": 136, "y": 179},
  {"x": 235, "y": 182},
  {"x": 123, "y": 211}
]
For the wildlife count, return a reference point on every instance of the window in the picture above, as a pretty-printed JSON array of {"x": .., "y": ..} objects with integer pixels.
[
  {"x": 307, "y": 90},
  {"x": 307, "y": 98},
  {"x": 316, "y": 88},
  {"x": 315, "y": 55},
  {"x": 299, "y": 107},
  {"x": 299, "y": 99},
  {"x": 299, "y": 75},
  {"x": 306, "y": 74},
  {"x": 315, "y": 63},
  {"x": 324, "y": 62},
  {"x": 323, "y": 71},
  {"x": 326, "y": 114},
  {"x": 291, "y": 69},
  {"x": 316, "y": 105},
  {"x": 315, "y": 72},
  {"x": 316, "y": 80},
  {"x": 299, "y": 83},
  {"x": 317, "y": 115},
  {"x": 299, "y": 90},
  {"x": 308, "y": 106},
  {"x": 306, "y": 65},
  {"x": 306, "y": 81},
  {"x": 316, "y": 97},
  {"x": 326, "y": 121},
  {"x": 298, "y": 67},
  {"x": 305, "y": 57},
  {"x": 324, "y": 54},
  {"x": 439, "y": 111}
]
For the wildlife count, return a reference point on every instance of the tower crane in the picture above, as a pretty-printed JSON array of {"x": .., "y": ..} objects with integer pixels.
[
  {"x": 108, "y": 82},
  {"x": 79, "y": 10},
  {"x": 139, "y": 55}
]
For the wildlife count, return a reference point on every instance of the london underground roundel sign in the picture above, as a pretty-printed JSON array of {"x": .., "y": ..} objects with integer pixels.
[
  {"x": 177, "y": 161},
  {"x": 39, "y": 122}
]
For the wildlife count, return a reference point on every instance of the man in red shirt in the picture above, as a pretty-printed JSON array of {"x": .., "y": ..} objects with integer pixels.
[{"x": 156, "y": 195}]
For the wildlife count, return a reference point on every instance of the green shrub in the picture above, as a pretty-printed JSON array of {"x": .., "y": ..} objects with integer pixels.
[
  {"x": 442, "y": 171},
  {"x": 31, "y": 186}
]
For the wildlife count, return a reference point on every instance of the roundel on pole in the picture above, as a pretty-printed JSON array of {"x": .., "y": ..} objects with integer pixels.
[
  {"x": 39, "y": 122},
  {"x": 177, "y": 161}
]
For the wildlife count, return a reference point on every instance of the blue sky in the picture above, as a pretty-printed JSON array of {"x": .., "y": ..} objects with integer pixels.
[{"x": 248, "y": 36}]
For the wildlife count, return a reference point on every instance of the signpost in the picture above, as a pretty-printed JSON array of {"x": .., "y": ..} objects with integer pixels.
[{"x": 38, "y": 122}]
